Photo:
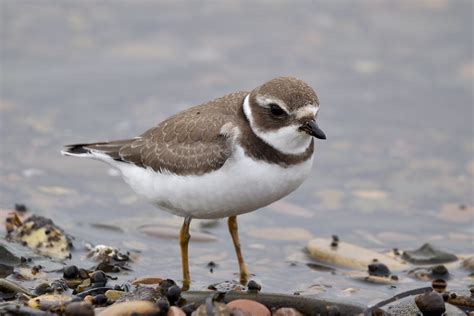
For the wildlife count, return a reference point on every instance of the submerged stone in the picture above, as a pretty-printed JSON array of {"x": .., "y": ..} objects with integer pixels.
[
  {"x": 428, "y": 254},
  {"x": 348, "y": 255}
]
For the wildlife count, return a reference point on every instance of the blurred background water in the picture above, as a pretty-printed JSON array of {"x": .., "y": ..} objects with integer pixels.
[{"x": 395, "y": 81}]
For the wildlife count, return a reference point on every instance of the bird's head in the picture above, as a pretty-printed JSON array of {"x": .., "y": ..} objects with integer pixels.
[{"x": 282, "y": 112}]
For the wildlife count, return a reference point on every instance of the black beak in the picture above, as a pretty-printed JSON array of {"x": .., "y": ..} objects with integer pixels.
[{"x": 313, "y": 129}]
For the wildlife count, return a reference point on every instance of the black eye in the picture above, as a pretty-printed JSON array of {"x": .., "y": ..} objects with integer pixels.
[{"x": 276, "y": 110}]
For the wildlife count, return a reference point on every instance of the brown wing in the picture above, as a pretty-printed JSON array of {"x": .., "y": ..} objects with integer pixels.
[{"x": 189, "y": 142}]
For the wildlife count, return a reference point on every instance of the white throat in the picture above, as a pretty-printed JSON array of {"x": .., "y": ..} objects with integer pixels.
[{"x": 288, "y": 139}]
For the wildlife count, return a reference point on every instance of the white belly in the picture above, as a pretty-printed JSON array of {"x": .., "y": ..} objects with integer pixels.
[{"x": 242, "y": 185}]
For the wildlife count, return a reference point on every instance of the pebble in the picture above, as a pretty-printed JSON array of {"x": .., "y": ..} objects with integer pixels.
[
  {"x": 114, "y": 295},
  {"x": 173, "y": 294},
  {"x": 428, "y": 254},
  {"x": 430, "y": 303},
  {"x": 348, "y": 255},
  {"x": 100, "y": 300},
  {"x": 79, "y": 309},
  {"x": 286, "y": 311},
  {"x": 439, "y": 285},
  {"x": 70, "y": 272},
  {"x": 131, "y": 308},
  {"x": 148, "y": 280},
  {"x": 378, "y": 269},
  {"x": 253, "y": 286},
  {"x": 252, "y": 307},
  {"x": 98, "y": 278},
  {"x": 175, "y": 311}
]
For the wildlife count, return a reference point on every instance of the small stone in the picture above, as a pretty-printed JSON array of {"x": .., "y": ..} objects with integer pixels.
[
  {"x": 253, "y": 286},
  {"x": 131, "y": 308},
  {"x": 286, "y": 311},
  {"x": 100, "y": 300},
  {"x": 439, "y": 285},
  {"x": 427, "y": 254},
  {"x": 70, "y": 272},
  {"x": 165, "y": 285},
  {"x": 175, "y": 311},
  {"x": 98, "y": 278},
  {"x": 439, "y": 270},
  {"x": 114, "y": 295},
  {"x": 211, "y": 265},
  {"x": 251, "y": 307},
  {"x": 173, "y": 294},
  {"x": 148, "y": 280},
  {"x": 43, "y": 288},
  {"x": 378, "y": 269},
  {"x": 164, "y": 305},
  {"x": 79, "y": 309},
  {"x": 430, "y": 303},
  {"x": 21, "y": 208}
]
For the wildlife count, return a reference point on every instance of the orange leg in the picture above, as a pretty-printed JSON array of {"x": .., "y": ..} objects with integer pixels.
[
  {"x": 183, "y": 243},
  {"x": 234, "y": 233}
]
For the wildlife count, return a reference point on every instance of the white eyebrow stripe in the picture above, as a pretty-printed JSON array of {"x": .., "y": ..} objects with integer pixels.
[
  {"x": 265, "y": 101},
  {"x": 307, "y": 110}
]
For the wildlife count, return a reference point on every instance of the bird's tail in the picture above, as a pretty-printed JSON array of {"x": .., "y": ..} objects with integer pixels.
[{"x": 98, "y": 150}]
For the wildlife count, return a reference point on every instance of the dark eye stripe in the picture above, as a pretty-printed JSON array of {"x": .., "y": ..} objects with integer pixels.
[{"x": 276, "y": 109}]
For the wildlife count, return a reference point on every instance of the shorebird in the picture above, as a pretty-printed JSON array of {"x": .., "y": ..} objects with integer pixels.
[{"x": 223, "y": 158}]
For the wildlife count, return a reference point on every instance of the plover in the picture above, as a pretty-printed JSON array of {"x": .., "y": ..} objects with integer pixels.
[{"x": 223, "y": 158}]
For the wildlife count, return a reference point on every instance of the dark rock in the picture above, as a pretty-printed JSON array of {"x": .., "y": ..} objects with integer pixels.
[
  {"x": 430, "y": 304},
  {"x": 378, "y": 269},
  {"x": 439, "y": 270},
  {"x": 21, "y": 208},
  {"x": 79, "y": 309},
  {"x": 427, "y": 254},
  {"x": 253, "y": 286},
  {"x": 70, "y": 272},
  {"x": 163, "y": 305},
  {"x": 100, "y": 300},
  {"x": 211, "y": 265},
  {"x": 99, "y": 278},
  {"x": 173, "y": 294}
]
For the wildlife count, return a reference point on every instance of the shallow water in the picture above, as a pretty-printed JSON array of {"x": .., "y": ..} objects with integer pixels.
[{"x": 395, "y": 84}]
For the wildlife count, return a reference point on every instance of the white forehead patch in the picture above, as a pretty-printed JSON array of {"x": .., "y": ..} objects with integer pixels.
[
  {"x": 307, "y": 110},
  {"x": 288, "y": 139}
]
